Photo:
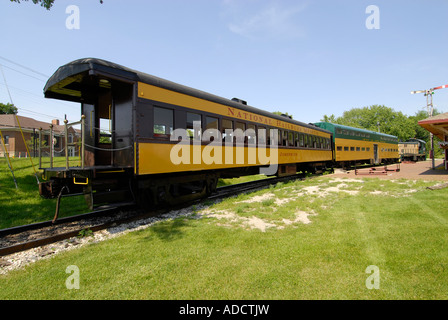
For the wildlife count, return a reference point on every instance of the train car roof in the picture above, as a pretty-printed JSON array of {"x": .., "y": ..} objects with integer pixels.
[
  {"x": 329, "y": 124},
  {"x": 66, "y": 84},
  {"x": 417, "y": 140}
]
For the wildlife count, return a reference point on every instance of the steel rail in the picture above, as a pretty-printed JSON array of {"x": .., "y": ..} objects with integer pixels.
[{"x": 221, "y": 192}]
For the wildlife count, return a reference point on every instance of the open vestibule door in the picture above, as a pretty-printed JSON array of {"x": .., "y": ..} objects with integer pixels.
[{"x": 108, "y": 126}]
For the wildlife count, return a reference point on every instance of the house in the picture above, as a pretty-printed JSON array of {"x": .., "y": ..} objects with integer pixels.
[
  {"x": 438, "y": 126},
  {"x": 30, "y": 127}
]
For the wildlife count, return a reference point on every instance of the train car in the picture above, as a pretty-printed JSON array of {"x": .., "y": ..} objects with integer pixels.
[
  {"x": 358, "y": 146},
  {"x": 412, "y": 150},
  {"x": 168, "y": 142}
]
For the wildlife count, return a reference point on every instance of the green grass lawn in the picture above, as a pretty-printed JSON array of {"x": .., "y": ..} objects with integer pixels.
[
  {"x": 400, "y": 227},
  {"x": 24, "y": 205}
]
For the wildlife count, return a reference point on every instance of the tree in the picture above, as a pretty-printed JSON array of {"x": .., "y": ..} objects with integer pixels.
[
  {"x": 387, "y": 120},
  {"x": 282, "y": 113},
  {"x": 47, "y": 4},
  {"x": 376, "y": 118},
  {"x": 330, "y": 119},
  {"x": 7, "y": 108}
]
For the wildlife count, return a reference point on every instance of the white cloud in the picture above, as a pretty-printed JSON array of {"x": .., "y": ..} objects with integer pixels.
[{"x": 275, "y": 20}]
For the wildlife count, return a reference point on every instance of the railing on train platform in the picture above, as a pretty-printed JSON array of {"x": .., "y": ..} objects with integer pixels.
[{"x": 66, "y": 143}]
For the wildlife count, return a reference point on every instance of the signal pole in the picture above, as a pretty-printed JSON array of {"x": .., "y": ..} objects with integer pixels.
[{"x": 430, "y": 109}]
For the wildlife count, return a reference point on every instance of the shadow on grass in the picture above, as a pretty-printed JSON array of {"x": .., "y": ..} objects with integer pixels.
[{"x": 170, "y": 230}]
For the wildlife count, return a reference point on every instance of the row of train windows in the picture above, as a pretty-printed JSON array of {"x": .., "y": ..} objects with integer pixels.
[
  {"x": 164, "y": 124},
  {"x": 365, "y": 149},
  {"x": 363, "y": 135},
  {"x": 352, "y": 133}
]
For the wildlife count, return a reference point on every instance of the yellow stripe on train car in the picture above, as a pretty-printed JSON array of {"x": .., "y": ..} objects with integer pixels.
[
  {"x": 347, "y": 150},
  {"x": 155, "y": 158}
]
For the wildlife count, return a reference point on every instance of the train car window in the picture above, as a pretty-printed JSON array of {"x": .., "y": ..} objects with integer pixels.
[
  {"x": 163, "y": 122},
  {"x": 105, "y": 131},
  {"x": 363, "y": 149},
  {"x": 285, "y": 139},
  {"x": 194, "y": 131},
  {"x": 301, "y": 142},
  {"x": 268, "y": 137},
  {"x": 296, "y": 139},
  {"x": 328, "y": 144},
  {"x": 314, "y": 142},
  {"x": 368, "y": 149},
  {"x": 240, "y": 125},
  {"x": 358, "y": 149},
  {"x": 227, "y": 124},
  {"x": 352, "y": 148},
  {"x": 251, "y": 134},
  {"x": 240, "y": 128},
  {"x": 261, "y": 135},
  {"x": 211, "y": 127},
  {"x": 280, "y": 137},
  {"x": 339, "y": 148},
  {"x": 345, "y": 148},
  {"x": 290, "y": 139}
]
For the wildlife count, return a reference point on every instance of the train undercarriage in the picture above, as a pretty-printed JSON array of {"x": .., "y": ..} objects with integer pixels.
[{"x": 106, "y": 186}]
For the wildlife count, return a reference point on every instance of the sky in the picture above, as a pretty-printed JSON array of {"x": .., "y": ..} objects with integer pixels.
[{"x": 306, "y": 58}]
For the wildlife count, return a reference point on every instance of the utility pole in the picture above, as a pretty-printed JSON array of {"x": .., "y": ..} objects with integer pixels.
[{"x": 430, "y": 109}]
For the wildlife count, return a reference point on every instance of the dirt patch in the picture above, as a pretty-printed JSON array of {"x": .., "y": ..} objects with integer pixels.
[
  {"x": 421, "y": 170},
  {"x": 229, "y": 219},
  {"x": 261, "y": 198},
  {"x": 325, "y": 191},
  {"x": 232, "y": 219},
  {"x": 301, "y": 216}
]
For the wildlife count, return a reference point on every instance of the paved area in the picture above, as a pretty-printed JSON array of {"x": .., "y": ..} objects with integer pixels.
[{"x": 413, "y": 171}]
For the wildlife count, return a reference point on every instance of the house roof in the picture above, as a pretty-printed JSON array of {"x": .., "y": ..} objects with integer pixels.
[
  {"x": 438, "y": 125},
  {"x": 9, "y": 121}
]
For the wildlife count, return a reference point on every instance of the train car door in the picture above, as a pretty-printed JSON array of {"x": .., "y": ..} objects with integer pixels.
[
  {"x": 88, "y": 110},
  {"x": 105, "y": 128},
  {"x": 375, "y": 154},
  {"x": 123, "y": 138},
  {"x": 98, "y": 126}
]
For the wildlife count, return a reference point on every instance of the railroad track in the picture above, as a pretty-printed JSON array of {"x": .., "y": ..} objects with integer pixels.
[{"x": 21, "y": 238}]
